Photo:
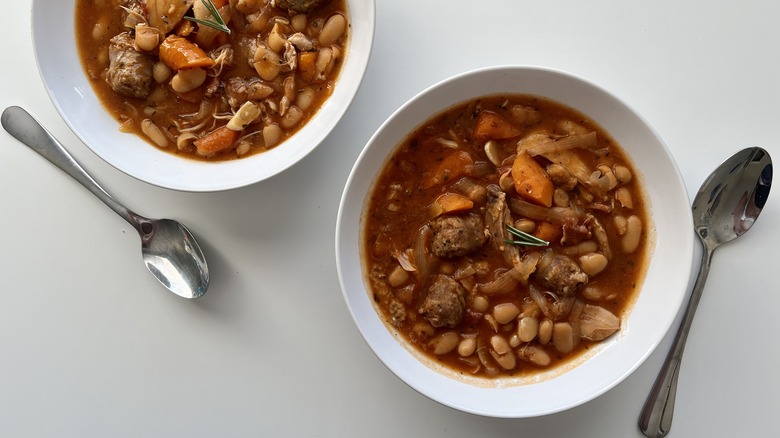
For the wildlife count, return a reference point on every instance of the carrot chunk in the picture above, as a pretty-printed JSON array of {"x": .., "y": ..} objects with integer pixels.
[
  {"x": 491, "y": 126},
  {"x": 216, "y": 141},
  {"x": 547, "y": 231},
  {"x": 531, "y": 181},
  {"x": 178, "y": 53},
  {"x": 450, "y": 203},
  {"x": 451, "y": 166}
]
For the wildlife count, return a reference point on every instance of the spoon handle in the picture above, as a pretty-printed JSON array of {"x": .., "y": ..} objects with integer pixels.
[
  {"x": 26, "y": 129},
  {"x": 656, "y": 417}
]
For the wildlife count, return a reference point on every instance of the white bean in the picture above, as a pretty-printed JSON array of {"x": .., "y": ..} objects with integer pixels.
[
  {"x": 630, "y": 240},
  {"x": 161, "y": 72},
  {"x": 292, "y": 117},
  {"x": 480, "y": 304},
  {"x": 594, "y": 293},
  {"x": 525, "y": 225},
  {"x": 188, "y": 79},
  {"x": 622, "y": 174},
  {"x": 467, "y": 347},
  {"x": 245, "y": 115},
  {"x": 267, "y": 63},
  {"x": 146, "y": 37},
  {"x": 502, "y": 352},
  {"x": 582, "y": 248},
  {"x": 333, "y": 29},
  {"x": 154, "y": 133},
  {"x": 324, "y": 63},
  {"x": 563, "y": 337},
  {"x": 505, "y": 312},
  {"x": 545, "y": 331},
  {"x": 593, "y": 263},
  {"x": 271, "y": 135},
  {"x": 397, "y": 277},
  {"x": 243, "y": 148},
  {"x": 527, "y": 328},
  {"x": 305, "y": 98},
  {"x": 505, "y": 361},
  {"x": 444, "y": 343},
  {"x": 298, "y": 22},
  {"x": 534, "y": 354}
]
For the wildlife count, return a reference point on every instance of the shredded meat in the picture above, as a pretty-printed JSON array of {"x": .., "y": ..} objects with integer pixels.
[
  {"x": 497, "y": 216},
  {"x": 130, "y": 71},
  {"x": 457, "y": 236},
  {"x": 239, "y": 90},
  {"x": 444, "y": 304},
  {"x": 574, "y": 232}
]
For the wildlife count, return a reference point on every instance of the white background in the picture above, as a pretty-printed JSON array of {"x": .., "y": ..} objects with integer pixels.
[{"x": 92, "y": 345}]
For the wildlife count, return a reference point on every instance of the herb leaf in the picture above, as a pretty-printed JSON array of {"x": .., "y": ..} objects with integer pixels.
[
  {"x": 218, "y": 23},
  {"x": 524, "y": 239}
]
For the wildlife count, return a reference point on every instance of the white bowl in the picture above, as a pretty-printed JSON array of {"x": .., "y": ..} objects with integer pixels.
[
  {"x": 641, "y": 331},
  {"x": 73, "y": 96}
]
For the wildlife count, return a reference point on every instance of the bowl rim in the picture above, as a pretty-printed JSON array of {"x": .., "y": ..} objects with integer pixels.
[
  {"x": 69, "y": 90},
  {"x": 435, "y": 384}
]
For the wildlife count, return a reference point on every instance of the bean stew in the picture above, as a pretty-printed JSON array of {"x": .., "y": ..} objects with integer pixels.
[
  {"x": 212, "y": 79},
  {"x": 506, "y": 235}
]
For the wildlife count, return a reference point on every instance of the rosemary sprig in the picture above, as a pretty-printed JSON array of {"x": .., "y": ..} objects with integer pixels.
[
  {"x": 524, "y": 239},
  {"x": 218, "y": 23}
]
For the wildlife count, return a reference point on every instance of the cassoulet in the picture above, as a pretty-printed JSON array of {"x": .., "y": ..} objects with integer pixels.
[
  {"x": 212, "y": 79},
  {"x": 506, "y": 235}
]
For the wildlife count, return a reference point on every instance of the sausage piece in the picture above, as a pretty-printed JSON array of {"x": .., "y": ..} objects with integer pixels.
[
  {"x": 562, "y": 275},
  {"x": 130, "y": 71},
  {"x": 444, "y": 303},
  {"x": 457, "y": 236}
]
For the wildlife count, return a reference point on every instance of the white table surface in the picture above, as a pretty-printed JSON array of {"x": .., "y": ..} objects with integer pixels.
[{"x": 92, "y": 346}]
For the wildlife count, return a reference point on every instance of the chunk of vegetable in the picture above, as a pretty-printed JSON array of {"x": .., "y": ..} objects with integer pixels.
[
  {"x": 178, "y": 53},
  {"x": 532, "y": 181},
  {"x": 547, "y": 231},
  {"x": 216, "y": 141},
  {"x": 452, "y": 166},
  {"x": 450, "y": 203},
  {"x": 492, "y": 126}
]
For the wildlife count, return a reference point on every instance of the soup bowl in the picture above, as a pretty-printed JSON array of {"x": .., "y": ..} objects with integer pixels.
[
  {"x": 69, "y": 89},
  {"x": 644, "y": 324}
]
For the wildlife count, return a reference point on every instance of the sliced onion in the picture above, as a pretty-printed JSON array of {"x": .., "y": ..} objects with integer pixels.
[
  {"x": 540, "y": 301},
  {"x": 583, "y": 141},
  {"x": 423, "y": 259},
  {"x": 405, "y": 259},
  {"x": 555, "y": 215}
]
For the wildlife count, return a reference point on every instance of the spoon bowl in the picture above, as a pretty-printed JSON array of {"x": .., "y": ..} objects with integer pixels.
[
  {"x": 169, "y": 250},
  {"x": 726, "y": 206}
]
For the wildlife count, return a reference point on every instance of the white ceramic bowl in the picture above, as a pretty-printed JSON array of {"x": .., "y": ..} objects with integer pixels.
[
  {"x": 641, "y": 331},
  {"x": 67, "y": 85}
]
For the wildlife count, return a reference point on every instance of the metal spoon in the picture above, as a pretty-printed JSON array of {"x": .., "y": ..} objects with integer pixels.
[
  {"x": 169, "y": 250},
  {"x": 726, "y": 206}
]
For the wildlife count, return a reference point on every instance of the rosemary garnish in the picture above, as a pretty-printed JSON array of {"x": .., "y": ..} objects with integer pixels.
[
  {"x": 218, "y": 23},
  {"x": 524, "y": 239}
]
